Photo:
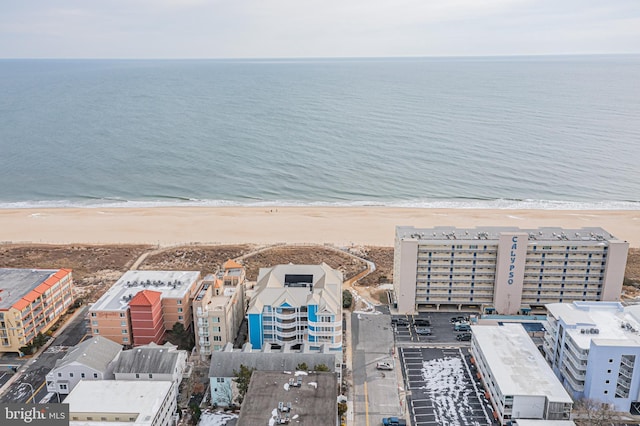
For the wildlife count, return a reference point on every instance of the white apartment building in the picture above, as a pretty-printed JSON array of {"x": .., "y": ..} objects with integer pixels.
[
  {"x": 218, "y": 308},
  {"x": 152, "y": 362},
  {"x": 594, "y": 349},
  {"x": 520, "y": 383},
  {"x": 297, "y": 304},
  {"x": 121, "y": 402},
  {"x": 92, "y": 359},
  {"x": 505, "y": 270}
]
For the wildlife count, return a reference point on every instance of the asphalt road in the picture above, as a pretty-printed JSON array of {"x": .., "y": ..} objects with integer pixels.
[
  {"x": 376, "y": 392},
  {"x": 34, "y": 371}
]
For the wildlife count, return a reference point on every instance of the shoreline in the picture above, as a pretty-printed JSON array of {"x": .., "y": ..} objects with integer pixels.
[{"x": 340, "y": 226}]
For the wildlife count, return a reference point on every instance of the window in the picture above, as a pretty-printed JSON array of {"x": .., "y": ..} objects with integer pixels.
[
  {"x": 150, "y": 376},
  {"x": 121, "y": 314},
  {"x": 217, "y": 338},
  {"x": 608, "y": 371},
  {"x": 125, "y": 339},
  {"x": 59, "y": 374},
  {"x": 220, "y": 379},
  {"x": 607, "y": 382},
  {"x": 94, "y": 322},
  {"x": 123, "y": 323},
  {"x": 104, "y": 419},
  {"x": 179, "y": 302},
  {"x": 70, "y": 374},
  {"x": 124, "y": 331},
  {"x": 82, "y": 375},
  {"x": 95, "y": 375},
  {"x": 606, "y": 392},
  {"x": 93, "y": 314},
  {"x": 179, "y": 309},
  {"x": 96, "y": 331},
  {"x": 180, "y": 317},
  {"x": 63, "y": 387},
  {"x": 610, "y": 360},
  {"x": 137, "y": 376}
]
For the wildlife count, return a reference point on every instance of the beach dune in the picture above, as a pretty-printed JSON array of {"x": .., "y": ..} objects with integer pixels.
[{"x": 232, "y": 225}]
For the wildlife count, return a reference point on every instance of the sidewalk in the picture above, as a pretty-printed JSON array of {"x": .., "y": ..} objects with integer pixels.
[{"x": 44, "y": 347}]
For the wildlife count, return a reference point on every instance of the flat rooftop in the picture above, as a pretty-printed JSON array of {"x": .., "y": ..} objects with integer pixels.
[
  {"x": 439, "y": 233},
  {"x": 17, "y": 283},
  {"x": 516, "y": 363},
  {"x": 605, "y": 323},
  {"x": 143, "y": 399},
  {"x": 172, "y": 284},
  {"x": 313, "y": 403}
]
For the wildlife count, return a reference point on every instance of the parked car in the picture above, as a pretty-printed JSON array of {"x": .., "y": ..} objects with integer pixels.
[
  {"x": 394, "y": 421},
  {"x": 462, "y": 327},
  {"x": 424, "y": 331},
  {"x": 421, "y": 322},
  {"x": 463, "y": 337},
  {"x": 399, "y": 321},
  {"x": 384, "y": 366},
  {"x": 454, "y": 320}
]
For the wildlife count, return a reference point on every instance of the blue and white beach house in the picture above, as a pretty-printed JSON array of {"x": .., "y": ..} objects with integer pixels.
[{"x": 297, "y": 304}]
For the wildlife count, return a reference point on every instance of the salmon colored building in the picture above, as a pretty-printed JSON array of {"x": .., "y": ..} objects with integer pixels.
[
  {"x": 111, "y": 317},
  {"x": 147, "y": 321},
  {"x": 31, "y": 301}
]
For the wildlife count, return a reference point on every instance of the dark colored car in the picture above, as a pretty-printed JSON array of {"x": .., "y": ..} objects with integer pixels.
[
  {"x": 424, "y": 331},
  {"x": 399, "y": 321},
  {"x": 421, "y": 322},
  {"x": 463, "y": 337}
]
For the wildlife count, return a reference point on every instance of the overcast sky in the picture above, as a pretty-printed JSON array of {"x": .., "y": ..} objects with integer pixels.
[{"x": 314, "y": 28}]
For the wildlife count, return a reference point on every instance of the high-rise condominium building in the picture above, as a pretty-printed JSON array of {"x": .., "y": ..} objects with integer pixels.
[{"x": 505, "y": 270}]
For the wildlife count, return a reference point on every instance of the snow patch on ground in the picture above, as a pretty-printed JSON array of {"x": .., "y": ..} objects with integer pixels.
[
  {"x": 301, "y": 373},
  {"x": 447, "y": 388},
  {"x": 313, "y": 385},
  {"x": 286, "y": 386},
  {"x": 215, "y": 419}
]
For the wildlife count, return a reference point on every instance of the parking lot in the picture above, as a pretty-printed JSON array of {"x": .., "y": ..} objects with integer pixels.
[
  {"x": 443, "y": 387},
  {"x": 441, "y": 328}
]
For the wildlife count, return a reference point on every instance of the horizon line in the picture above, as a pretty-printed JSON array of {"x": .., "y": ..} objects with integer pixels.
[{"x": 312, "y": 58}]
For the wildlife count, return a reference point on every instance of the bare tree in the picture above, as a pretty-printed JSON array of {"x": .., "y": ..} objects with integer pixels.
[{"x": 589, "y": 412}]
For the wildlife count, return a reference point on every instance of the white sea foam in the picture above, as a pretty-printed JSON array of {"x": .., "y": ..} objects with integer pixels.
[{"x": 499, "y": 204}]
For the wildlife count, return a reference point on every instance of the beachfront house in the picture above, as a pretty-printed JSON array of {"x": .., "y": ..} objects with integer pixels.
[{"x": 297, "y": 304}]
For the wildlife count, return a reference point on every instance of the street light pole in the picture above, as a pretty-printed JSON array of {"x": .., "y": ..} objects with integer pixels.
[{"x": 32, "y": 391}]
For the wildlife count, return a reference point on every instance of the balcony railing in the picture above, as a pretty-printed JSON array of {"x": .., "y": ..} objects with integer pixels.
[{"x": 286, "y": 316}]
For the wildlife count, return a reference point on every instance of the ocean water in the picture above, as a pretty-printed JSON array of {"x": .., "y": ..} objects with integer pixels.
[{"x": 521, "y": 132}]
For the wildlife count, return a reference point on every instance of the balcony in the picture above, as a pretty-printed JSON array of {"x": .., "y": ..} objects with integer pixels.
[
  {"x": 286, "y": 316},
  {"x": 331, "y": 333},
  {"x": 283, "y": 335},
  {"x": 578, "y": 374},
  {"x": 576, "y": 385},
  {"x": 627, "y": 362},
  {"x": 626, "y": 372}
]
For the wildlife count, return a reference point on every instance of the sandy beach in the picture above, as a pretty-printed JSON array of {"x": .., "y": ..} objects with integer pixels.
[{"x": 231, "y": 225}]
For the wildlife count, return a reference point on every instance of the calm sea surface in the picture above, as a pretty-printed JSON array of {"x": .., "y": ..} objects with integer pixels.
[{"x": 531, "y": 132}]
